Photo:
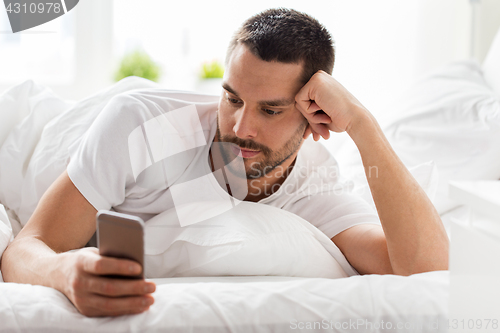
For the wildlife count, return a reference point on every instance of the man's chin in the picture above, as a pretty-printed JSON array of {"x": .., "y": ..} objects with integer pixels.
[
  {"x": 254, "y": 170},
  {"x": 249, "y": 173}
]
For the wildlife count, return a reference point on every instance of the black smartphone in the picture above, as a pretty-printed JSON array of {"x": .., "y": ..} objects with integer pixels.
[{"x": 121, "y": 236}]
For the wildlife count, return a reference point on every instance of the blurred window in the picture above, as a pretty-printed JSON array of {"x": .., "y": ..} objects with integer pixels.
[{"x": 45, "y": 53}]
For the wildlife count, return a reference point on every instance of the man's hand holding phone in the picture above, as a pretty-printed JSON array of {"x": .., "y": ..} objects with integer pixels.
[
  {"x": 95, "y": 294},
  {"x": 110, "y": 281}
]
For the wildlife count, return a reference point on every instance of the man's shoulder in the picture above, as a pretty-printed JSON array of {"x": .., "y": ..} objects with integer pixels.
[{"x": 142, "y": 105}]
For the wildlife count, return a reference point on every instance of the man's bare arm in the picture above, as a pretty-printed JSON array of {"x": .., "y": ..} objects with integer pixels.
[
  {"x": 65, "y": 220},
  {"x": 365, "y": 247},
  {"x": 416, "y": 238}
]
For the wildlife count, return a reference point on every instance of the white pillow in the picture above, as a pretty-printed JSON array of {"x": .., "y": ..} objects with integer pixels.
[
  {"x": 491, "y": 65},
  {"x": 451, "y": 117},
  {"x": 250, "y": 239},
  {"x": 17, "y": 102}
]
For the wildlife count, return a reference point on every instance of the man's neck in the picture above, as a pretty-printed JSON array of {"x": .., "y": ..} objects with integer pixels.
[{"x": 263, "y": 187}]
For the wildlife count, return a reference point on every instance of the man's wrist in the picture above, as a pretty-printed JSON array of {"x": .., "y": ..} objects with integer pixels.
[
  {"x": 362, "y": 124},
  {"x": 58, "y": 275}
]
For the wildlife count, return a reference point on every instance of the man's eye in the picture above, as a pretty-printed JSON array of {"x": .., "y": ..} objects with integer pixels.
[
  {"x": 233, "y": 100},
  {"x": 271, "y": 112}
]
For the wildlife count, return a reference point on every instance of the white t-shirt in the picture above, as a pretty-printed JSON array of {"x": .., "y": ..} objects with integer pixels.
[{"x": 147, "y": 152}]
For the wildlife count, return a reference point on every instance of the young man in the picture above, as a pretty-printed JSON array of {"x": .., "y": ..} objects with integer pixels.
[{"x": 277, "y": 91}]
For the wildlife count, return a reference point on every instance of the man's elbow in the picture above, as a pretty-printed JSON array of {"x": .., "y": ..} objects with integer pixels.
[
  {"x": 436, "y": 263},
  {"x": 5, "y": 264}
]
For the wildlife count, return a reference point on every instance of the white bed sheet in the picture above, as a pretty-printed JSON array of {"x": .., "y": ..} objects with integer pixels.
[{"x": 418, "y": 303}]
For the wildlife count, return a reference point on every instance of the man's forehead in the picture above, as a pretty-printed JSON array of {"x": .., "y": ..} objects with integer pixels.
[
  {"x": 271, "y": 83},
  {"x": 278, "y": 101}
]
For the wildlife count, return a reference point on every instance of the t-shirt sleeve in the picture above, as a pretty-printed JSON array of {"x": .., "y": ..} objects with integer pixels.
[
  {"x": 333, "y": 213},
  {"x": 100, "y": 166}
]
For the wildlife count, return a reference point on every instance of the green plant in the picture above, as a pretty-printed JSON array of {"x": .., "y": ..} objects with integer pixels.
[
  {"x": 138, "y": 63},
  {"x": 212, "y": 70}
]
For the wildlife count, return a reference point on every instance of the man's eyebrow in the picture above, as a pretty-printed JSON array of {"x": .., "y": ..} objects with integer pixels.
[
  {"x": 228, "y": 88},
  {"x": 276, "y": 102}
]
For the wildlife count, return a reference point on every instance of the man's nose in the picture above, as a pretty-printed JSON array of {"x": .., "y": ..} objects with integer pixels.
[{"x": 245, "y": 126}]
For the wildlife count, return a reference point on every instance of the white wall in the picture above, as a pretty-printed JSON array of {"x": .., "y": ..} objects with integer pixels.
[
  {"x": 487, "y": 23},
  {"x": 382, "y": 46},
  {"x": 94, "y": 48},
  {"x": 443, "y": 28},
  {"x": 93, "y": 52},
  {"x": 451, "y": 30}
]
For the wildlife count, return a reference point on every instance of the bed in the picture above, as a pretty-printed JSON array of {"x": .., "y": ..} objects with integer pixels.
[
  {"x": 249, "y": 304},
  {"x": 447, "y": 127}
]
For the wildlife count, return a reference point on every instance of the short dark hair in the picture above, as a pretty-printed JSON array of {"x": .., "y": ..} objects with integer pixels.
[{"x": 288, "y": 36}]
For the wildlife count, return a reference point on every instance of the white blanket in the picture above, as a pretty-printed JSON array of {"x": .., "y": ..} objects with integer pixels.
[{"x": 249, "y": 304}]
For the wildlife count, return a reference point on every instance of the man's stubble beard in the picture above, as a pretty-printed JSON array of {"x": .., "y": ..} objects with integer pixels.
[{"x": 271, "y": 160}]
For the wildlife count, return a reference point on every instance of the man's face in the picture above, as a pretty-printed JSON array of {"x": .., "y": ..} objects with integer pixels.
[{"x": 257, "y": 113}]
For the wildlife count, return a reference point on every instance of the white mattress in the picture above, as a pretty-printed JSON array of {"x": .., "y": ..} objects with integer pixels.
[{"x": 248, "y": 304}]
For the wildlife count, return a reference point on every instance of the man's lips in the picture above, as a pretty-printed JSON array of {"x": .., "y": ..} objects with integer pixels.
[{"x": 245, "y": 153}]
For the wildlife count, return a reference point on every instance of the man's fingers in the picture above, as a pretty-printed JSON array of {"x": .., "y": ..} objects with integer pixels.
[
  {"x": 320, "y": 118},
  {"x": 305, "y": 100},
  {"x": 118, "y": 287},
  {"x": 97, "y": 305},
  {"x": 312, "y": 107},
  {"x": 98, "y": 265},
  {"x": 301, "y": 109},
  {"x": 317, "y": 120},
  {"x": 307, "y": 108},
  {"x": 319, "y": 130},
  {"x": 307, "y": 132}
]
